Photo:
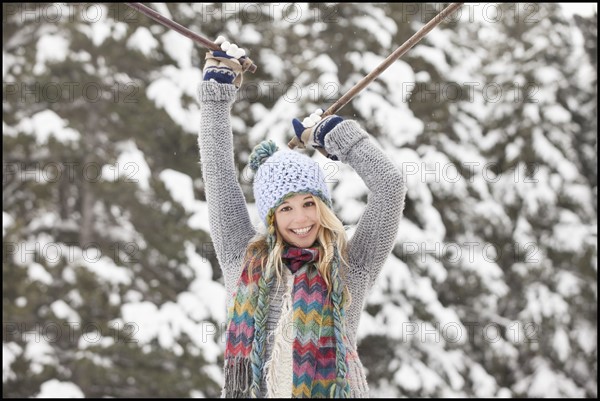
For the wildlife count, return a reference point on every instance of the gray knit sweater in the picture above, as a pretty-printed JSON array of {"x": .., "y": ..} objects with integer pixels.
[{"x": 231, "y": 228}]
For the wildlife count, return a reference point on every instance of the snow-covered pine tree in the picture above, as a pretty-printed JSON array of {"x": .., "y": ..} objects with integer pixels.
[{"x": 490, "y": 290}]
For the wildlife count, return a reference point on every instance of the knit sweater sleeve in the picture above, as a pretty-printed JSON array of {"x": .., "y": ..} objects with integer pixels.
[
  {"x": 377, "y": 228},
  {"x": 229, "y": 221}
]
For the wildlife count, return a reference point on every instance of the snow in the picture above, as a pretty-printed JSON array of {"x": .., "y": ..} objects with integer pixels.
[
  {"x": 557, "y": 114},
  {"x": 215, "y": 373},
  {"x": 145, "y": 317},
  {"x": 561, "y": 345},
  {"x": 546, "y": 382},
  {"x": 105, "y": 268},
  {"x": 167, "y": 92},
  {"x": 442, "y": 175},
  {"x": 63, "y": 311},
  {"x": 39, "y": 352},
  {"x": 571, "y": 237},
  {"x": 371, "y": 24},
  {"x": 554, "y": 157},
  {"x": 513, "y": 149},
  {"x": 546, "y": 75},
  {"x": 54, "y": 388},
  {"x": 580, "y": 195},
  {"x": 75, "y": 299},
  {"x": 119, "y": 30},
  {"x": 46, "y": 124},
  {"x": 130, "y": 167},
  {"x": 127, "y": 240},
  {"x": 479, "y": 259},
  {"x": 583, "y": 9},
  {"x": 205, "y": 291},
  {"x": 587, "y": 337},
  {"x": 50, "y": 48},
  {"x": 433, "y": 56},
  {"x": 251, "y": 36},
  {"x": 200, "y": 265},
  {"x": 179, "y": 47},
  {"x": 37, "y": 272},
  {"x": 40, "y": 222},
  {"x": 395, "y": 276},
  {"x": 325, "y": 64},
  {"x": 273, "y": 65},
  {"x": 486, "y": 383},
  {"x": 368, "y": 326},
  {"x": 272, "y": 126},
  {"x": 181, "y": 188},
  {"x": 543, "y": 303},
  {"x": 170, "y": 320},
  {"x": 390, "y": 108},
  {"x": 347, "y": 192},
  {"x": 453, "y": 364},
  {"x": 493, "y": 212},
  {"x": 143, "y": 41},
  {"x": 192, "y": 313},
  {"x": 407, "y": 378},
  {"x": 10, "y": 352},
  {"x": 395, "y": 321},
  {"x": 429, "y": 378},
  {"x": 162, "y": 9},
  {"x": 98, "y": 26}
]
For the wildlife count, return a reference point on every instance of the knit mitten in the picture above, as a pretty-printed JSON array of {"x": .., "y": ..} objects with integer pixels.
[
  {"x": 313, "y": 129},
  {"x": 225, "y": 66}
]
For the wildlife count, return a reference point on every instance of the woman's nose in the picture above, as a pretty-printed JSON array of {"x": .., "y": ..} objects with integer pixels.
[{"x": 301, "y": 216}]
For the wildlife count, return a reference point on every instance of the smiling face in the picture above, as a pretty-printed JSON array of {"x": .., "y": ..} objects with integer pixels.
[{"x": 297, "y": 220}]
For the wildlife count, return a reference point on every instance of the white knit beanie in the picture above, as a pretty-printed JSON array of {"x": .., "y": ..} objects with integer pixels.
[{"x": 284, "y": 172}]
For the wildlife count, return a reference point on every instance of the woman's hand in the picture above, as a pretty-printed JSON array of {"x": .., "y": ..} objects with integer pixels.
[
  {"x": 225, "y": 66},
  {"x": 313, "y": 129}
]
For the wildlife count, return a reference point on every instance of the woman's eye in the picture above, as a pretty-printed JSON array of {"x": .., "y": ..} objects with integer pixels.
[
  {"x": 309, "y": 204},
  {"x": 284, "y": 209}
]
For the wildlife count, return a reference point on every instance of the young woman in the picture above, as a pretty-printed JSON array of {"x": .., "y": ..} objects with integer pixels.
[{"x": 295, "y": 294}]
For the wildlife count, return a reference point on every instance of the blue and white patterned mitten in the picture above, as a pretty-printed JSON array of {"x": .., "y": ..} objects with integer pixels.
[
  {"x": 313, "y": 129},
  {"x": 224, "y": 66}
]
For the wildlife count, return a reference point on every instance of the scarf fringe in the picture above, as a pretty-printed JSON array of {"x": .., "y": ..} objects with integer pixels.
[{"x": 239, "y": 378}]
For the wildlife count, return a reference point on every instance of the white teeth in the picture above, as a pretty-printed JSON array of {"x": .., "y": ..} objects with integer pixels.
[{"x": 302, "y": 231}]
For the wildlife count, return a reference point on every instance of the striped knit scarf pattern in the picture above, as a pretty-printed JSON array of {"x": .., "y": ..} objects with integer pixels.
[{"x": 316, "y": 361}]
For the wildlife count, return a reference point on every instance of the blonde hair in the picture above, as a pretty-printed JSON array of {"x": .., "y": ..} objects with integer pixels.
[{"x": 331, "y": 235}]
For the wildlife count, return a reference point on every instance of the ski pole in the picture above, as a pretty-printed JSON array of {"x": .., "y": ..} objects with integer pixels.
[
  {"x": 247, "y": 64},
  {"x": 360, "y": 85}
]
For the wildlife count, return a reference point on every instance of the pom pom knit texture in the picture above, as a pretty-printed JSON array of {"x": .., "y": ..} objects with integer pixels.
[{"x": 231, "y": 227}]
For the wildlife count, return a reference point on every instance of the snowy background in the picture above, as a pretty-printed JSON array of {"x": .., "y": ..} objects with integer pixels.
[{"x": 110, "y": 282}]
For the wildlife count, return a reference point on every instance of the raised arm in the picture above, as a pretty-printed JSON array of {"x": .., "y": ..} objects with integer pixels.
[
  {"x": 376, "y": 232},
  {"x": 230, "y": 224},
  {"x": 347, "y": 141}
]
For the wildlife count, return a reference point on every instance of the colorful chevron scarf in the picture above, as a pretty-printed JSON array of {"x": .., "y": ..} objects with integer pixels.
[{"x": 319, "y": 347}]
